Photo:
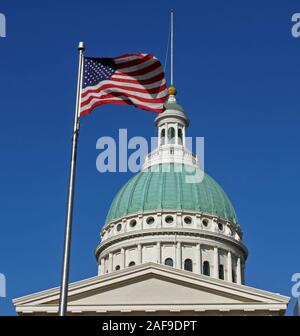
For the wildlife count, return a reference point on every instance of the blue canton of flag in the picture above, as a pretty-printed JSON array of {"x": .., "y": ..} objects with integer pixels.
[{"x": 97, "y": 70}]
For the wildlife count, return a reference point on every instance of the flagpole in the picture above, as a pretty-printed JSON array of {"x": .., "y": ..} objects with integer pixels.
[{"x": 63, "y": 299}]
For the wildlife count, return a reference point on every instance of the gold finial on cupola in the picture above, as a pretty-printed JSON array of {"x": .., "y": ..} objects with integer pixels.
[{"x": 172, "y": 90}]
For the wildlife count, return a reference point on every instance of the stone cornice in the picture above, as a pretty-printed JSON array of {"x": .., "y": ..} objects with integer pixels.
[{"x": 172, "y": 231}]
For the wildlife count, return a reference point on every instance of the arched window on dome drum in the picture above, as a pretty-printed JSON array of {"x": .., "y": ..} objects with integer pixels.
[
  {"x": 169, "y": 262},
  {"x": 162, "y": 136},
  {"x": 188, "y": 265},
  {"x": 221, "y": 272},
  {"x": 179, "y": 136},
  {"x": 132, "y": 263},
  {"x": 171, "y": 135},
  {"x": 206, "y": 268}
]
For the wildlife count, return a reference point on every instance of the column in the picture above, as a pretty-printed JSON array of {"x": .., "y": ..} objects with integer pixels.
[
  {"x": 110, "y": 262},
  {"x": 158, "y": 251},
  {"x": 238, "y": 271},
  {"x": 139, "y": 255},
  {"x": 167, "y": 128},
  {"x": 178, "y": 256},
  {"x": 229, "y": 267},
  {"x": 198, "y": 259},
  {"x": 122, "y": 258},
  {"x": 158, "y": 136},
  {"x": 102, "y": 266},
  {"x": 216, "y": 263}
]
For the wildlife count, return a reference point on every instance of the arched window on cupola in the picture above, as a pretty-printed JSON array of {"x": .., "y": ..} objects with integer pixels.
[
  {"x": 171, "y": 135},
  {"x": 169, "y": 262},
  {"x": 221, "y": 272},
  {"x": 179, "y": 136},
  {"x": 206, "y": 268},
  {"x": 188, "y": 265},
  {"x": 163, "y": 136}
]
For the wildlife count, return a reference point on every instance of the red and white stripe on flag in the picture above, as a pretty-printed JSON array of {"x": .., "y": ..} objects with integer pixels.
[{"x": 135, "y": 79}]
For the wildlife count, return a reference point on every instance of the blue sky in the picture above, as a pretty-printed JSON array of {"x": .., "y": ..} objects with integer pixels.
[{"x": 237, "y": 73}]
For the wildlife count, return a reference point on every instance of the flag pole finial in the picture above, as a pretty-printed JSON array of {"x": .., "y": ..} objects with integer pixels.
[{"x": 81, "y": 46}]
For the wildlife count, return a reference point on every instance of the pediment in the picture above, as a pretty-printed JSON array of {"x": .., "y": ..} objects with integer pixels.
[
  {"x": 151, "y": 287},
  {"x": 155, "y": 289}
]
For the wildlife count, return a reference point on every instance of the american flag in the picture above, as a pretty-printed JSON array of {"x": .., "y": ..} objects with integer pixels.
[{"x": 135, "y": 79}]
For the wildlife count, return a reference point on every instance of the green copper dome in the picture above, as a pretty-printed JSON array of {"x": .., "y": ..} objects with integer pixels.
[
  {"x": 169, "y": 190},
  {"x": 174, "y": 106}
]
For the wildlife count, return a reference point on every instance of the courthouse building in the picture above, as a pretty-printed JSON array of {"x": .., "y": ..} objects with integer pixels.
[{"x": 171, "y": 244}]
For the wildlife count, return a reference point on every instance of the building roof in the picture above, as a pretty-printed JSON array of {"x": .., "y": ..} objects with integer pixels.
[
  {"x": 155, "y": 289},
  {"x": 171, "y": 187}
]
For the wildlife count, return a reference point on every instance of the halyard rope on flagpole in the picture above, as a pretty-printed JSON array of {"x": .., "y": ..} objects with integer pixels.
[
  {"x": 170, "y": 44},
  {"x": 167, "y": 49},
  {"x": 63, "y": 298}
]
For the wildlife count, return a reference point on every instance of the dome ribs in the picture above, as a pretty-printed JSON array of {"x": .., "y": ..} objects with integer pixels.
[{"x": 162, "y": 189}]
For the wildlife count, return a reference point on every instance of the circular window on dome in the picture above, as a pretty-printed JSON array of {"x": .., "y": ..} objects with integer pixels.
[
  {"x": 220, "y": 226},
  {"x": 117, "y": 267},
  {"x": 132, "y": 223},
  {"x": 119, "y": 227},
  {"x": 132, "y": 263},
  {"x": 188, "y": 220},
  {"x": 169, "y": 219},
  {"x": 205, "y": 222},
  {"x": 150, "y": 220}
]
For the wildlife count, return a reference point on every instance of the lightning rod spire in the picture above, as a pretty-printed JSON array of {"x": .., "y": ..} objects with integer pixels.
[
  {"x": 172, "y": 47},
  {"x": 172, "y": 89}
]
